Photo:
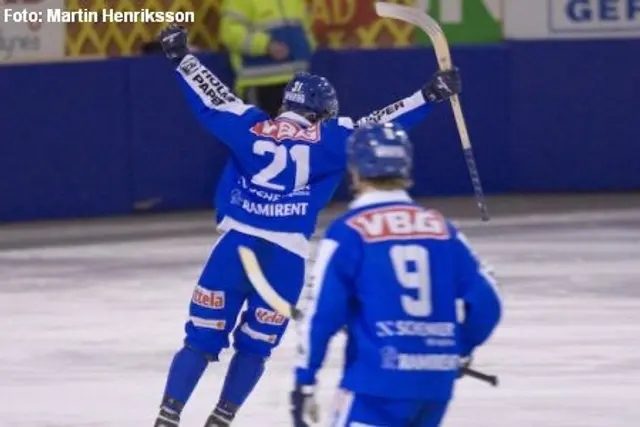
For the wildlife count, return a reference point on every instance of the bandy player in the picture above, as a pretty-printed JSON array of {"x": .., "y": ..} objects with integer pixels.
[
  {"x": 389, "y": 272},
  {"x": 280, "y": 173}
]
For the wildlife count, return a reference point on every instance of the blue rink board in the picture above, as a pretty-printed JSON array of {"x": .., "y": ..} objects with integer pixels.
[{"x": 112, "y": 137}]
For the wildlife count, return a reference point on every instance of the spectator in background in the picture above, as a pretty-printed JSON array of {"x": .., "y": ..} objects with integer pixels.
[{"x": 269, "y": 41}]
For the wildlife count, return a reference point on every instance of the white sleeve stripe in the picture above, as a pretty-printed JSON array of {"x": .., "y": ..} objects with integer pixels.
[
  {"x": 211, "y": 91},
  {"x": 326, "y": 249},
  {"x": 411, "y": 103},
  {"x": 345, "y": 122},
  {"x": 393, "y": 111}
]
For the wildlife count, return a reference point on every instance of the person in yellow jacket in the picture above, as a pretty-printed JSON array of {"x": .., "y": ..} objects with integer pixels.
[{"x": 269, "y": 41}]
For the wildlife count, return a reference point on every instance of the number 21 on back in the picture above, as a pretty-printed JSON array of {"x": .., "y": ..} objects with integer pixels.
[{"x": 298, "y": 156}]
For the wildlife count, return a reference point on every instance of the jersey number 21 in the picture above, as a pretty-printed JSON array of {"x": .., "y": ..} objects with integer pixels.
[{"x": 299, "y": 155}]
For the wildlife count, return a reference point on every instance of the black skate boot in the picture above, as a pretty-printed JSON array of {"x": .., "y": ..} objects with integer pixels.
[
  {"x": 222, "y": 415},
  {"x": 167, "y": 418}
]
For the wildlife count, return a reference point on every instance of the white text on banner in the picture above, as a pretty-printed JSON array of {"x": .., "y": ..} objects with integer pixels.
[
  {"x": 571, "y": 19},
  {"x": 25, "y": 34}
]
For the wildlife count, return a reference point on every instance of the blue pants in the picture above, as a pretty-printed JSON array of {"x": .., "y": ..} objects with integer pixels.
[
  {"x": 352, "y": 410},
  {"x": 224, "y": 287}
]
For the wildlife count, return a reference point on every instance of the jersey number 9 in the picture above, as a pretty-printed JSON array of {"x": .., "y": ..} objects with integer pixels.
[{"x": 417, "y": 278}]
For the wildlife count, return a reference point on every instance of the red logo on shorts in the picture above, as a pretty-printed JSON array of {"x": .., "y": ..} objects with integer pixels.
[
  {"x": 208, "y": 299},
  {"x": 269, "y": 317}
]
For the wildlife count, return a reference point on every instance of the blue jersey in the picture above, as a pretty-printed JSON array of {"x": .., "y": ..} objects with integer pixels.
[
  {"x": 390, "y": 273},
  {"x": 280, "y": 172}
]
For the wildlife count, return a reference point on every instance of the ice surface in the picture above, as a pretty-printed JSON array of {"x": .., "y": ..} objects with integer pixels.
[{"x": 87, "y": 331}]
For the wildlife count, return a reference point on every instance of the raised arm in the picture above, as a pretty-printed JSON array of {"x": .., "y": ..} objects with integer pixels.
[
  {"x": 411, "y": 110},
  {"x": 215, "y": 105}
]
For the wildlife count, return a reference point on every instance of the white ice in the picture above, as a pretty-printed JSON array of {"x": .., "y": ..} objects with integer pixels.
[{"x": 87, "y": 331}]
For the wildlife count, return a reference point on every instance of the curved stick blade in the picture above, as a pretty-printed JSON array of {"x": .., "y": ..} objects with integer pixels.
[{"x": 262, "y": 285}]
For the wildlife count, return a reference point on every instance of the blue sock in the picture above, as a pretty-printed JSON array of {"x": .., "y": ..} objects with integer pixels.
[
  {"x": 186, "y": 369},
  {"x": 244, "y": 373}
]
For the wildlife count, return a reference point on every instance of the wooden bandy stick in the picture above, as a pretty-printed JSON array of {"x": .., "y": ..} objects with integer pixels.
[{"x": 422, "y": 20}]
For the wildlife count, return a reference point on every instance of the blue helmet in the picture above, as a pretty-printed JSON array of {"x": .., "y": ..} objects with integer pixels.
[
  {"x": 308, "y": 93},
  {"x": 380, "y": 151}
]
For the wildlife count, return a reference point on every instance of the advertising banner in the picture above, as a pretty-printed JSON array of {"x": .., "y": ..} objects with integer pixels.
[
  {"x": 345, "y": 24},
  {"x": 337, "y": 24},
  {"x": 466, "y": 21},
  {"x": 354, "y": 24},
  {"x": 571, "y": 19},
  {"x": 114, "y": 37},
  {"x": 25, "y": 32}
]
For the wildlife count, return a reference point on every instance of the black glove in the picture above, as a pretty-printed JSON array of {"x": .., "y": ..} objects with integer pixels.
[
  {"x": 304, "y": 408},
  {"x": 443, "y": 86},
  {"x": 174, "y": 42}
]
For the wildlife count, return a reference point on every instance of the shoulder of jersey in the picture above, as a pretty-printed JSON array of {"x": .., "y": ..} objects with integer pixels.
[
  {"x": 344, "y": 123},
  {"x": 397, "y": 221}
]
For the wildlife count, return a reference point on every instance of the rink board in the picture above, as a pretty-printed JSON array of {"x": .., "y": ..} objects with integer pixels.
[{"x": 98, "y": 138}]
